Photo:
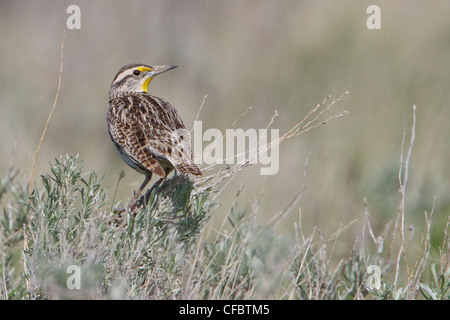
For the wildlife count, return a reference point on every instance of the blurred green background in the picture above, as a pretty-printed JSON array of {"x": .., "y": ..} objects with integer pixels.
[{"x": 285, "y": 56}]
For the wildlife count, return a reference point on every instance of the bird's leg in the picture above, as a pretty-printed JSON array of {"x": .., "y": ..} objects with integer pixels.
[
  {"x": 149, "y": 191},
  {"x": 138, "y": 193}
]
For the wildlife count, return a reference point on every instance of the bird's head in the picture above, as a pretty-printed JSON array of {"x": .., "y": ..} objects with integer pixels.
[{"x": 135, "y": 78}]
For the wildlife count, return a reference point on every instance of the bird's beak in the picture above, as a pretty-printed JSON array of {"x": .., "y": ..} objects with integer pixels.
[
  {"x": 154, "y": 71},
  {"x": 159, "y": 69}
]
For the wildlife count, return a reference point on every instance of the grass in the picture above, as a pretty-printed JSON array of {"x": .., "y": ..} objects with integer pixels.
[
  {"x": 169, "y": 250},
  {"x": 346, "y": 220}
]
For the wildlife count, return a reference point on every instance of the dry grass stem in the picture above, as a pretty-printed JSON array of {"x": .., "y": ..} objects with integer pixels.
[
  {"x": 51, "y": 112},
  {"x": 308, "y": 123},
  {"x": 403, "y": 180}
]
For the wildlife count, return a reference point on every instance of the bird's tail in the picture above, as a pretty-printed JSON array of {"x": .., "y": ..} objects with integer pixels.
[{"x": 189, "y": 168}]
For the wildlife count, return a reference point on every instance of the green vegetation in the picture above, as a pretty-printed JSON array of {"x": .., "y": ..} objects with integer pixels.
[
  {"x": 312, "y": 231},
  {"x": 163, "y": 252}
]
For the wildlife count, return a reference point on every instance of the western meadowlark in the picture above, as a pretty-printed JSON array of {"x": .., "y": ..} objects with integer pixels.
[{"x": 147, "y": 131}]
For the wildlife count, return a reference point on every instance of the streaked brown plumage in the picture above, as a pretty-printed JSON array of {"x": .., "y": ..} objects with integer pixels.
[{"x": 146, "y": 130}]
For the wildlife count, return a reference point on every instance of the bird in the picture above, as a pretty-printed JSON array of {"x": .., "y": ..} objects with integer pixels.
[{"x": 147, "y": 131}]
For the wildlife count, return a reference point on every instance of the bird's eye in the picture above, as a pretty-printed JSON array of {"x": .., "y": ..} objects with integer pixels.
[{"x": 136, "y": 72}]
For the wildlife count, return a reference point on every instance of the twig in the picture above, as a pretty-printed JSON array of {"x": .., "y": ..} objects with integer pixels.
[
  {"x": 275, "y": 219},
  {"x": 403, "y": 180},
  {"x": 50, "y": 115},
  {"x": 205, "y": 182},
  {"x": 25, "y": 238},
  {"x": 121, "y": 176},
  {"x": 420, "y": 269},
  {"x": 241, "y": 115},
  {"x": 198, "y": 112}
]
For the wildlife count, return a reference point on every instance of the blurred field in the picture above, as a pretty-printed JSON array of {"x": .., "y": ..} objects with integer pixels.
[{"x": 285, "y": 56}]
